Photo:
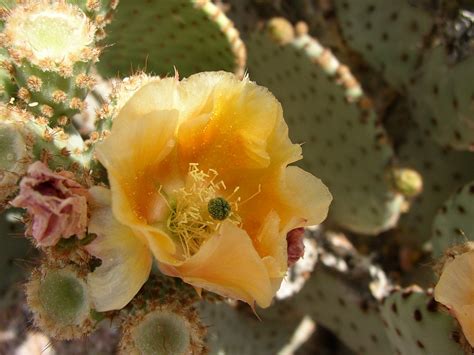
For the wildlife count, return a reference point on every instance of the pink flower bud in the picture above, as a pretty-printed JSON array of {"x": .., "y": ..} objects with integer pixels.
[
  {"x": 294, "y": 239},
  {"x": 56, "y": 203}
]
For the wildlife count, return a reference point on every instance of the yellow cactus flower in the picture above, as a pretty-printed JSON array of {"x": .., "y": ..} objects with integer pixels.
[
  {"x": 455, "y": 288},
  {"x": 199, "y": 178}
]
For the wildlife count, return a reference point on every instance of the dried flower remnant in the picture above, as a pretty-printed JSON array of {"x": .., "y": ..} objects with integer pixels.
[
  {"x": 56, "y": 203},
  {"x": 294, "y": 238}
]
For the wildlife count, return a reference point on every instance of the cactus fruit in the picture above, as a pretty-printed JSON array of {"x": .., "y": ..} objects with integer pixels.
[
  {"x": 60, "y": 302},
  {"x": 161, "y": 327},
  {"x": 51, "y": 46},
  {"x": 453, "y": 222},
  {"x": 390, "y": 38},
  {"x": 337, "y": 126},
  {"x": 407, "y": 181},
  {"x": 187, "y": 35}
]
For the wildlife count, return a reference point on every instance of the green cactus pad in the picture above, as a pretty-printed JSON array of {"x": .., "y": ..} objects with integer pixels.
[
  {"x": 100, "y": 11},
  {"x": 442, "y": 170},
  {"x": 13, "y": 251},
  {"x": 331, "y": 301},
  {"x": 189, "y": 35},
  {"x": 342, "y": 294},
  {"x": 54, "y": 146},
  {"x": 388, "y": 34},
  {"x": 7, "y": 85},
  {"x": 441, "y": 98},
  {"x": 343, "y": 142},
  {"x": 244, "y": 15},
  {"x": 14, "y": 156},
  {"x": 51, "y": 47},
  {"x": 453, "y": 224},
  {"x": 415, "y": 324},
  {"x": 239, "y": 331}
]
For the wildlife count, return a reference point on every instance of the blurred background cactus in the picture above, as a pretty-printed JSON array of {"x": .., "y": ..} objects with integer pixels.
[{"x": 378, "y": 92}]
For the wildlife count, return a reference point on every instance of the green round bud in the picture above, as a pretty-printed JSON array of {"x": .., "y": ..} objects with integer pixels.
[
  {"x": 60, "y": 302},
  {"x": 280, "y": 30},
  {"x": 219, "y": 208},
  {"x": 162, "y": 333},
  {"x": 64, "y": 297},
  {"x": 406, "y": 181}
]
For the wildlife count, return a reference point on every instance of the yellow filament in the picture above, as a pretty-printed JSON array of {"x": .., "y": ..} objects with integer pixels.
[{"x": 189, "y": 219}]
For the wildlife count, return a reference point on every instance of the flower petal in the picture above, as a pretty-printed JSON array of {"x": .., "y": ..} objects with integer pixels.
[
  {"x": 240, "y": 117},
  {"x": 455, "y": 290},
  {"x": 228, "y": 265},
  {"x": 131, "y": 155},
  {"x": 152, "y": 96},
  {"x": 270, "y": 244},
  {"x": 465, "y": 317},
  {"x": 307, "y": 196},
  {"x": 126, "y": 259}
]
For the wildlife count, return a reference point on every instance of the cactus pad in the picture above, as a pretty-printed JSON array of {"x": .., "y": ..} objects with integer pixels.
[
  {"x": 388, "y": 34},
  {"x": 453, "y": 223},
  {"x": 239, "y": 331},
  {"x": 189, "y": 35},
  {"x": 14, "y": 155},
  {"x": 13, "y": 249},
  {"x": 51, "y": 46},
  {"x": 330, "y": 301},
  {"x": 342, "y": 295},
  {"x": 415, "y": 324},
  {"x": 442, "y": 170},
  {"x": 7, "y": 85},
  {"x": 325, "y": 110},
  {"x": 54, "y": 146},
  {"x": 442, "y": 100}
]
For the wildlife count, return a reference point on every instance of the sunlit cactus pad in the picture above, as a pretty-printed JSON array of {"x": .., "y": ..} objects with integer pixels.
[
  {"x": 158, "y": 36},
  {"x": 453, "y": 222},
  {"x": 389, "y": 35},
  {"x": 442, "y": 100},
  {"x": 443, "y": 172},
  {"x": 331, "y": 101}
]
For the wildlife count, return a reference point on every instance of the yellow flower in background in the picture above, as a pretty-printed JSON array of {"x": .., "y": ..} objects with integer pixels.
[
  {"x": 199, "y": 179},
  {"x": 455, "y": 290}
]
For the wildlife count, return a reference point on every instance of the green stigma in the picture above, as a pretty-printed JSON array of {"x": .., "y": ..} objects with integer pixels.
[{"x": 219, "y": 208}]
